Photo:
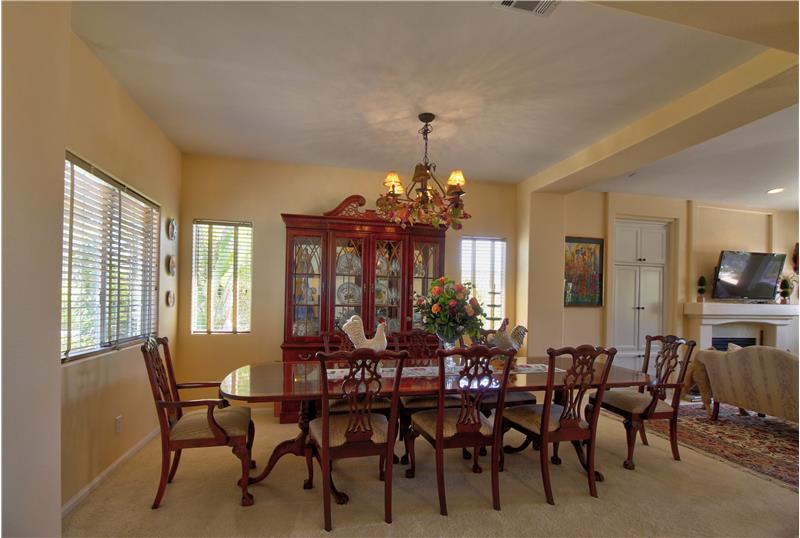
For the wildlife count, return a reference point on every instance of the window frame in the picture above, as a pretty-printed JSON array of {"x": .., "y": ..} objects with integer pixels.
[
  {"x": 493, "y": 324},
  {"x": 123, "y": 188},
  {"x": 234, "y": 323}
]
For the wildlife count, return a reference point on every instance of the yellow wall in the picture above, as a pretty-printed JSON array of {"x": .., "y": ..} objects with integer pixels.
[
  {"x": 108, "y": 129},
  {"x": 35, "y": 59},
  {"x": 259, "y": 191}
]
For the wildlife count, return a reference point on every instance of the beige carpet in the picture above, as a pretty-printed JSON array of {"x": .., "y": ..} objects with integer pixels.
[{"x": 698, "y": 496}]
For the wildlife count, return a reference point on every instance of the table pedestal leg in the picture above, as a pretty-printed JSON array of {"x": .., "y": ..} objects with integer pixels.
[{"x": 296, "y": 446}]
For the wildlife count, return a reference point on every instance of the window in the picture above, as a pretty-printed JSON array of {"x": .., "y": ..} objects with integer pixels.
[
  {"x": 109, "y": 271},
  {"x": 222, "y": 264},
  {"x": 483, "y": 262}
]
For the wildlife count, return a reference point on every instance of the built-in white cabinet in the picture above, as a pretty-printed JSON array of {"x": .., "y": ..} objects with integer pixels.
[
  {"x": 641, "y": 242},
  {"x": 640, "y": 261}
]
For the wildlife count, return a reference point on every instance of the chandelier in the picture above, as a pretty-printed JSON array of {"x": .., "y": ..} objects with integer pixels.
[{"x": 424, "y": 200}]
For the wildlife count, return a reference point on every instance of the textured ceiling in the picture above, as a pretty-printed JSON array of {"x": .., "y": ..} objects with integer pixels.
[
  {"x": 737, "y": 168},
  {"x": 342, "y": 83}
]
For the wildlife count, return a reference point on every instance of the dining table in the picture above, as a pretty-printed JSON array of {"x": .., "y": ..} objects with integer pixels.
[{"x": 301, "y": 381}]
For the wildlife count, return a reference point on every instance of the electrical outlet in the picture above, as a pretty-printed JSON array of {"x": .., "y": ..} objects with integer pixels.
[{"x": 118, "y": 424}]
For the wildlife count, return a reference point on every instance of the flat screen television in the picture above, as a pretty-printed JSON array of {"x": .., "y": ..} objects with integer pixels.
[{"x": 752, "y": 276}]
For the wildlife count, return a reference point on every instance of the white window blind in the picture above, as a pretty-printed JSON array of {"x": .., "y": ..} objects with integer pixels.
[
  {"x": 483, "y": 262},
  {"x": 222, "y": 264},
  {"x": 109, "y": 282}
]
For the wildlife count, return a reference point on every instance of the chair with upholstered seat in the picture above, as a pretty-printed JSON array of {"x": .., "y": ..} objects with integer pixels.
[
  {"x": 421, "y": 347},
  {"x": 561, "y": 420},
  {"x": 357, "y": 431},
  {"x": 635, "y": 407},
  {"x": 464, "y": 426},
  {"x": 219, "y": 425}
]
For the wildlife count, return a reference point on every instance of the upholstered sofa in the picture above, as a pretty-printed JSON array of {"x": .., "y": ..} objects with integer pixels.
[{"x": 756, "y": 378}]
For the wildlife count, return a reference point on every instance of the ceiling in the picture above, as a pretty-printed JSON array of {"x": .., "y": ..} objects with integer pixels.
[
  {"x": 341, "y": 84},
  {"x": 737, "y": 168}
]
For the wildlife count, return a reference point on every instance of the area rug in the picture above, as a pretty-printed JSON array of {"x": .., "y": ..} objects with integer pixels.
[{"x": 766, "y": 446}]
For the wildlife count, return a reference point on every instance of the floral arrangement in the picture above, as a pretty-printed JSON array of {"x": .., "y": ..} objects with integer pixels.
[{"x": 449, "y": 311}]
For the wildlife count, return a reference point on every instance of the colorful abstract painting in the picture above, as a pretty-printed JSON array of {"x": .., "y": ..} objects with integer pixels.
[{"x": 583, "y": 271}]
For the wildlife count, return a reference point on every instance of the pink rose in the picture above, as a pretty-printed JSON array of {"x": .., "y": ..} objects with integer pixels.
[
  {"x": 473, "y": 301},
  {"x": 459, "y": 288},
  {"x": 421, "y": 301},
  {"x": 453, "y": 303}
]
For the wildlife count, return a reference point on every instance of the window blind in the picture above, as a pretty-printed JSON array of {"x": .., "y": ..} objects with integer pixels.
[
  {"x": 483, "y": 262},
  {"x": 221, "y": 276},
  {"x": 109, "y": 283}
]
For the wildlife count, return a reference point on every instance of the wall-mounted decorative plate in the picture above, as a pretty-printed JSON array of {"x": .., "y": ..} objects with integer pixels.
[
  {"x": 172, "y": 229},
  {"x": 170, "y": 298},
  {"x": 171, "y": 264}
]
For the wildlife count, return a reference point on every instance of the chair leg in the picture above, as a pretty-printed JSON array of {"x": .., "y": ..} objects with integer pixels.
[
  {"x": 405, "y": 424},
  {"x": 175, "y": 460},
  {"x": 309, "y": 482},
  {"x": 251, "y": 436},
  {"x": 643, "y": 436},
  {"x": 381, "y": 464},
  {"x": 673, "y": 438},
  {"x": 715, "y": 410},
  {"x": 545, "y": 462},
  {"x": 162, "y": 484},
  {"x": 497, "y": 454},
  {"x": 243, "y": 454},
  {"x": 325, "y": 463},
  {"x": 630, "y": 431},
  {"x": 465, "y": 454},
  {"x": 590, "y": 468},
  {"x": 554, "y": 459},
  {"x": 440, "y": 480},
  {"x": 411, "y": 436},
  {"x": 475, "y": 467},
  {"x": 387, "y": 491}
]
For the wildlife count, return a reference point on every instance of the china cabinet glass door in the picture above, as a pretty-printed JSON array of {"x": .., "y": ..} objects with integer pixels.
[
  {"x": 425, "y": 266},
  {"x": 388, "y": 283},
  {"x": 348, "y": 279},
  {"x": 306, "y": 281}
]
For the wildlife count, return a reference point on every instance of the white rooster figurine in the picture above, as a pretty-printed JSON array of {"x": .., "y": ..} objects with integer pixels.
[
  {"x": 354, "y": 328},
  {"x": 504, "y": 340}
]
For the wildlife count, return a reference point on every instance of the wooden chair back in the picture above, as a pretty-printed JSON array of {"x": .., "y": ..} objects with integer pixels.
[
  {"x": 359, "y": 387},
  {"x": 674, "y": 354},
  {"x": 162, "y": 380},
  {"x": 421, "y": 346},
  {"x": 473, "y": 381},
  {"x": 579, "y": 378},
  {"x": 485, "y": 333}
]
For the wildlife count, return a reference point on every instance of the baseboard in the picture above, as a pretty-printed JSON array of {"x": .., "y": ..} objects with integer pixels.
[{"x": 91, "y": 486}]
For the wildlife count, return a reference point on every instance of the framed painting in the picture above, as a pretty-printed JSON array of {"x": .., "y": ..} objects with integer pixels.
[{"x": 583, "y": 271}]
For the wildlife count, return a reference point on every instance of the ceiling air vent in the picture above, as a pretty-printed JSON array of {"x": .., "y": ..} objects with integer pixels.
[{"x": 542, "y": 8}]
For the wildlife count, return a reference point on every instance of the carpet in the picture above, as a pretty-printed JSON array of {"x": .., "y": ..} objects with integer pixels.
[
  {"x": 767, "y": 446},
  {"x": 698, "y": 496}
]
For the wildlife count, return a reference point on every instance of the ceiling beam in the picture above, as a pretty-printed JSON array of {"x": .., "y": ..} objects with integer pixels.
[
  {"x": 769, "y": 23},
  {"x": 764, "y": 84}
]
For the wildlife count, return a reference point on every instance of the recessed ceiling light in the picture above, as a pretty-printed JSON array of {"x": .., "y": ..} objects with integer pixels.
[{"x": 776, "y": 190}]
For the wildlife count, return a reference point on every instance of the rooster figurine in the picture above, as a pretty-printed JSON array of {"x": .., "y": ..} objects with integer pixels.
[
  {"x": 514, "y": 340},
  {"x": 354, "y": 328}
]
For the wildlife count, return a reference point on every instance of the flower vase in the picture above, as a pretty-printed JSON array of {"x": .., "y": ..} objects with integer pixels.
[{"x": 450, "y": 364}]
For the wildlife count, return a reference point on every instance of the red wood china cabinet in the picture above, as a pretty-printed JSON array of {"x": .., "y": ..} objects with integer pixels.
[{"x": 350, "y": 261}]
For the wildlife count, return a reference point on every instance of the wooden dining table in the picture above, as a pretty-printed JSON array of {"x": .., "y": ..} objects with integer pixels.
[{"x": 279, "y": 382}]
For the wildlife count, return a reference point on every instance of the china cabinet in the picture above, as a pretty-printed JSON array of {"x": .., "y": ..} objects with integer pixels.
[{"x": 350, "y": 261}]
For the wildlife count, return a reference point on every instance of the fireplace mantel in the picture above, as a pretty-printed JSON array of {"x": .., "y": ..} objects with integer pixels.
[{"x": 773, "y": 319}]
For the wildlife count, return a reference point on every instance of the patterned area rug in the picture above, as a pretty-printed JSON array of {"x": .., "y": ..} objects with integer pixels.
[{"x": 767, "y": 446}]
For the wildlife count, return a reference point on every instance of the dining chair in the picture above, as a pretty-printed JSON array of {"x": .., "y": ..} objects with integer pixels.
[
  {"x": 421, "y": 347},
  {"x": 359, "y": 432},
  {"x": 560, "y": 419},
  {"x": 220, "y": 424},
  {"x": 464, "y": 426},
  {"x": 635, "y": 407}
]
